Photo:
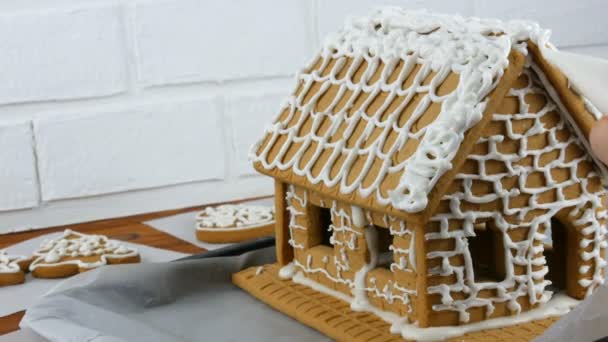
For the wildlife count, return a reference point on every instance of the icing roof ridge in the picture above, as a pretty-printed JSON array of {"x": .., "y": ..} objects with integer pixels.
[
  {"x": 391, "y": 31},
  {"x": 478, "y": 50}
]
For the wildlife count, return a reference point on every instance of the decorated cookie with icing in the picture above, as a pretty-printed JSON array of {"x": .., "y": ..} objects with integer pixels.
[
  {"x": 74, "y": 253},
  {"x": 12, "y": 268},
  {"x": 234, "y": 223}
]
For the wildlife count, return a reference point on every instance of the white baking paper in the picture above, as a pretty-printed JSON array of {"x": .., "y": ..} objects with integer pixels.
[
  {"x": 183, "y": 226},
  {"x": 23, "y": 335},
  {"x": 20, "y": 297},
  {"x": 587, "y": 322},
  {"x": 195, "y": 300},
  {"x": 187, "y": 301}
]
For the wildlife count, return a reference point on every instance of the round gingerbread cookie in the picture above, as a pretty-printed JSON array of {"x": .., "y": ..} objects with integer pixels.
[
  {"x": 234, "y": 223},
  {"x": 12, "y": 268},
  {"x": 74, "y": 253}
]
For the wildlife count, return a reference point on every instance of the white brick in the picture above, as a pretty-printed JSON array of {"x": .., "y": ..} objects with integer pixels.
[
  {"x": 332, "y": 14},
  {"x": 249, "y": 115},
  {"x": 61, "y": 54},
  {"x": 139, "y": 148},
  {"x": 572, "y": 22},
  {"x": 597, "y": 51},
  {"x": 187, "y": 41},
  {"x": 18, "y": 171},
  {"x": 92, "y": 208}
]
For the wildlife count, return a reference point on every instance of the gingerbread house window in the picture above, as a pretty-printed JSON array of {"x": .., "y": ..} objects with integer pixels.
[
  {"x": 556, "y": 254},
  {"x": 385, "y": 252},
  {"x": 320, "y": 225},
  {"x": 487, "y": 253}
]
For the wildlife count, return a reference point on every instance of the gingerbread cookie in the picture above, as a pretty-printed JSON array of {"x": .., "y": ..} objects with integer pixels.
[
  {"x": 12, "y": 268},
  {"x": 234, "y": 223},
  {"x": 74, "y": 253}
]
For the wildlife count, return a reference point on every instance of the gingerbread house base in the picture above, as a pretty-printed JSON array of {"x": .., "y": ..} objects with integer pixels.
[{"x": 334, "y": 318}]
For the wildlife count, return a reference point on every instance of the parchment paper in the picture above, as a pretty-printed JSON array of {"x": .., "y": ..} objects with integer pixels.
[
  {"x": 587, "y": 322},
  {"x": 20, "y": 297},
  {"x": 196, "y": 301},
  {"x": 182, "y": 226},
  {"x": 179, "y": 301}
]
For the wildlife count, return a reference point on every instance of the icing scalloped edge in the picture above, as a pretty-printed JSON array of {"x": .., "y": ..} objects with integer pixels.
[{"x": 475, "y": 49}]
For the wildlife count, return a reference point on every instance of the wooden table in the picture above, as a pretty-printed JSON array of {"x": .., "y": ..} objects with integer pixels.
[{"x": 131, "y": 229}]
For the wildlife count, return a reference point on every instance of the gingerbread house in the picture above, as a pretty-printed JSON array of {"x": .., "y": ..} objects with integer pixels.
[{"x": 431, "y": 171}]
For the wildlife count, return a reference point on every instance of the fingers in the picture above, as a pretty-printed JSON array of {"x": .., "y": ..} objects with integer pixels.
[{"x": 599, "y": 139}]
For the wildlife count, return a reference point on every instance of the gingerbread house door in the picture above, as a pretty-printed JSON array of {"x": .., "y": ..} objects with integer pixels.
[{"x": 566, "y": 268}]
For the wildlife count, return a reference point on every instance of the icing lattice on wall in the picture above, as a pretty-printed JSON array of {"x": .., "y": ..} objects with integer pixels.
[
  {"x": 523, "y": 168},
  {"x": 351, "y": 235}
]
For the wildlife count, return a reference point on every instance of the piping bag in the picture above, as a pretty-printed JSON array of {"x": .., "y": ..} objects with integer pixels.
[{"x": 588, "y": 76}]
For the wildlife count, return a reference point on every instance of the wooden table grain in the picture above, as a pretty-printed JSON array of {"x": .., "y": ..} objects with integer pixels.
[{"x": 130, "y": 229}]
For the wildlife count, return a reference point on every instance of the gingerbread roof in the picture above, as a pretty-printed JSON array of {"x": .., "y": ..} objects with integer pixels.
[{"x": 385, "y": 114}]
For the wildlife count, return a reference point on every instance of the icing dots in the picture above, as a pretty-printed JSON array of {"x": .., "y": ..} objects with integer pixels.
[
  {"x": 234, "y": 217},
  {"x": 72, "y": 247}
]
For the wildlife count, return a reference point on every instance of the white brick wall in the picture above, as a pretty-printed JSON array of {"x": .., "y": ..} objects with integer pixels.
[
  {"x": 249, "y": 115},
  {"x": 116, "y": 107},
  {"x": 18, "y": 171},
  {"x": 187, "y": 41},
  {"x": 131, "y": 149},
  {"x": 62, "y": 54}
]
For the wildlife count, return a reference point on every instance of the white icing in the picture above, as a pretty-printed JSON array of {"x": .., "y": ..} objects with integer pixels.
[
  {"x": 439, "y": 44},
  {"x": 73, "y": 245},
  {"x": 559, "y": 305},
  {"x": 371, "y": 238},
  {"x": 10, "y": 263},
  {"x": 287, "y": 271},
  {"x": 475, "y": 49},
  {"x": 234, "y": 217},
  {"x": 346, "y": 229},
  {"x": 531, "y": 283}
]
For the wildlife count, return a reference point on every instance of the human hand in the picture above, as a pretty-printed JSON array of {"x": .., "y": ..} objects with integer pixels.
[{"x": 599, "y": 139}]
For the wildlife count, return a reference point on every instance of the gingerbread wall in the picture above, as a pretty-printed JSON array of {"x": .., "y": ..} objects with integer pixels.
[
  {"x": 526, "y": 169},
  {"x": 339, "y": 268}
]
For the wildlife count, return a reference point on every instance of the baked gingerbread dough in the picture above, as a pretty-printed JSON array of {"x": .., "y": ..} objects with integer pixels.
[
  {"x": 234, "y": 223},
  {"x": 74, "y": 253},
  {"x": 12, "y": 268}
]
